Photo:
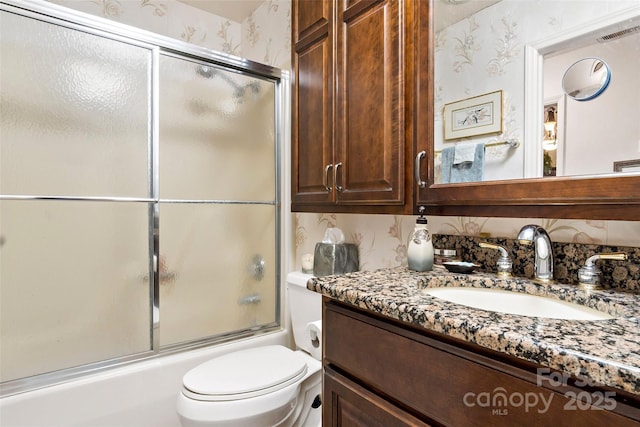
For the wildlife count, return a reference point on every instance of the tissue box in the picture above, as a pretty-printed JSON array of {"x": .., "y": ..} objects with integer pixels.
[{"x": 335, "y": 258}]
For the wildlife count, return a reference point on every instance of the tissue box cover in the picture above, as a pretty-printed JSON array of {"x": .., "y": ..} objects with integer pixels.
[{"x": 335, "y": 258}]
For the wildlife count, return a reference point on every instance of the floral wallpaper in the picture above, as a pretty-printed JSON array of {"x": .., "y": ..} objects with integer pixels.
[
  {"x": 382, "y": 239},
  {"x": 265, "y": 36}
]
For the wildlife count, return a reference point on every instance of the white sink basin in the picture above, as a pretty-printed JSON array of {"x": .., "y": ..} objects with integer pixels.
[{"x": 516, "y": 303}]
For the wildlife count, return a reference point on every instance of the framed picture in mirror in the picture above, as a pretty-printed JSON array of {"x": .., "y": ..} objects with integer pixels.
[{"x": 479, "y": 115}]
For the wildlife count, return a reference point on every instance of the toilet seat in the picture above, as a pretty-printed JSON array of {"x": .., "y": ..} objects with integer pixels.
[{"x": 244, "y": 374}]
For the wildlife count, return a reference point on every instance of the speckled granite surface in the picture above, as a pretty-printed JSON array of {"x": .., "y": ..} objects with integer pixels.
[
  {"x": 567, "y": 257},
  {"x": 605, "y": 351}
]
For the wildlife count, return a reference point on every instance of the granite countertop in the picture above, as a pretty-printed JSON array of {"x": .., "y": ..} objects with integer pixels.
[{"x": 604, "y": 351}]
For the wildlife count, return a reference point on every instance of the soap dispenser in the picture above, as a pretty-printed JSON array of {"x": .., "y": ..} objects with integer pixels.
[{"x": 420, "y": 246}]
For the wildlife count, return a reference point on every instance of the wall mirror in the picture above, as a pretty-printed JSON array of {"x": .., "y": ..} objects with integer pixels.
[
  {"x": 586, "y": 79},
  {"x": 486, "y": 48},
  {"x": 522, "y": 49}
]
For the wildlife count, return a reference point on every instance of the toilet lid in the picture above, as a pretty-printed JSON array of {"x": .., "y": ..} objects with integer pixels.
[{"x": 245, "y": 373}]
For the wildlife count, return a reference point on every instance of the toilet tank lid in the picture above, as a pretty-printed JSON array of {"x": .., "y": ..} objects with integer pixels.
[
  {"x": 298, "y": 278},
  {"x": 245, "y": 373}
]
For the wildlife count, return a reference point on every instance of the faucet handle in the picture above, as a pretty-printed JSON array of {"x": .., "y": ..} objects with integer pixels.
[
  {"x": 620, "y": 256},
  {"x": 589, "y": 274},
  {"x": 504, "y": 263}
]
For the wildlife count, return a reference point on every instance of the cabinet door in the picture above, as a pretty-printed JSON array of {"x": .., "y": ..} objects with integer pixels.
[
  {"x": 347, "y": 404},
  {"x": 370, "y": 103},
  {"x": 312, "y": 103},
  {"x": 422, "y": 163}
]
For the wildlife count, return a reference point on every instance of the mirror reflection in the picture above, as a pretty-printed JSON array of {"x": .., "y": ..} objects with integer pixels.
[
  {"x": 485, "y": 46},
  {"x": 550, "y": 141},
  {"x": 586, "y": 79}
]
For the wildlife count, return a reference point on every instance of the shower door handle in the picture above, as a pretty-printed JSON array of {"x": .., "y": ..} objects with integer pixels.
[{"x": 326, "y": 177}]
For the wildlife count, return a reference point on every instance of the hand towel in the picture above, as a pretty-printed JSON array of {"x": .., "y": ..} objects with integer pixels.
[
  {"x": 464, "y": 153},
  {"x": 462, "y": 172}
]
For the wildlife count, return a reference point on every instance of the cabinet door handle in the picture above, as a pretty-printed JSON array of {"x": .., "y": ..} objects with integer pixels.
[
  {"x": 335, "y": 176},
  {"x": 326, "y": 177},
  {"x": 419, "y": 181}
]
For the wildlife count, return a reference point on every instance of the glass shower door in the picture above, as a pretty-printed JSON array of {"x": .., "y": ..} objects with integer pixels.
[
  {"x": 139, "y": 201},
  {"x": 74, "y": 197},
  {"x": 217, "y": 211}
]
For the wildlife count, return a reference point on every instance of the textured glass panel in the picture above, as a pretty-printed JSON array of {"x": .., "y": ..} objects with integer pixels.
[
  {"x": 207, "y": 253},
  {"x": 74, "y": 116},
  {"x": 217, "y": 134},
  {"x": 73, "y": 284}
]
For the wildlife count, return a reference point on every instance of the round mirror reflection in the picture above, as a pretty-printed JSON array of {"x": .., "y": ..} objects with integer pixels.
[{"x": 586, "y": 79}]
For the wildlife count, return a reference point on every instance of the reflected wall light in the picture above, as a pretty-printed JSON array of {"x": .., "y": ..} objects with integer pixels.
[{"x": 550, "y": 126}]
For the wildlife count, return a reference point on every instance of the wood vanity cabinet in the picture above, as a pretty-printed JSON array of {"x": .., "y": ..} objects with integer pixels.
[
  {"x": 352, "y": 404},
  {"x": 355, "y": 79},
  {"x": 379, "y": 372}
]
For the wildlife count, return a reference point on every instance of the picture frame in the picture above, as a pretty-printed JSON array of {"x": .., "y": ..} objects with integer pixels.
[
  {"x": 479, "y": 115},
  {"x": 627, "y": 166}
]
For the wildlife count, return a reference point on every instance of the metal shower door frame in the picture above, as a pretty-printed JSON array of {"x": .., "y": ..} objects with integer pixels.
[{"x": 158, "y": 44}]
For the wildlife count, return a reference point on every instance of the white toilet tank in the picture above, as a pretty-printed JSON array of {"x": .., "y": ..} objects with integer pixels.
[{"x": 305, "y": 307}]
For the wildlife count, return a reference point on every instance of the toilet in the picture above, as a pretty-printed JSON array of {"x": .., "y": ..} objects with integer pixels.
[{"x": 265, "y": 386}]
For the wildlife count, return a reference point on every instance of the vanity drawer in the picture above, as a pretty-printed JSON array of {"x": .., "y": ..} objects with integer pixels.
[
  {"x": 444, "y": 383},
  {"x": 346, "y": 403}
]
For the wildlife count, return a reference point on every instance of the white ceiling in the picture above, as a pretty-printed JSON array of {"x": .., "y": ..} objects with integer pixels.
[
  {"x": 447, "y": 12},
  {"x": 235, "y": 10}
]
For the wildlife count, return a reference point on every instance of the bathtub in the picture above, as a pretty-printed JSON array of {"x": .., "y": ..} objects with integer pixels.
[{"x": 139, "y": 395}]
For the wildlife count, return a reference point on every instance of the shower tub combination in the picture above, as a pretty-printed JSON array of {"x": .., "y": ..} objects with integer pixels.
[
  {"x": 143, "y": 394},
  {"x": 139, "y": 182}
]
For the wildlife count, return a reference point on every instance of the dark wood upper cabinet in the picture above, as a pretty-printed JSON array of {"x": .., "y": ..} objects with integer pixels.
[
  {"x": 312, "y": 100},
  {"x": 353, "y": 108}
]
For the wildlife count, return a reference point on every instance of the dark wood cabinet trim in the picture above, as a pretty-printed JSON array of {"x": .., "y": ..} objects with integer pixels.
[
  {"x": 593, "y": 198},
  {"x": 312, "y": 35},
  {"x": 356, "y": 8}
]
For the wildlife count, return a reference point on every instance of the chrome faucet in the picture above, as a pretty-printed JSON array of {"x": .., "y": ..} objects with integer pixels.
[{"x": 542, "y": 247}]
